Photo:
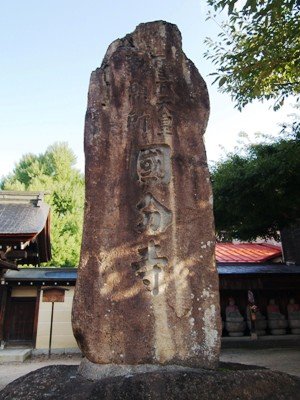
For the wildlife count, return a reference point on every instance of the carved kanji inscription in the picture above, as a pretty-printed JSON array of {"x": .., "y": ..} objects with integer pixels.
[
  {"x": 140, "y": 124},
  {"x": 155, "y": 217},
  {"x": 154, "y": 165},
  {"x": 165, "y": 120},
  {"x": 150, "y": 267}
]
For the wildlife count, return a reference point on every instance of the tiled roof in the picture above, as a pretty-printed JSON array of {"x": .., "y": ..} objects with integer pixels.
[
  {"x": 24, "y": 227},
  {"x": 22, "y": 218},
  {"x": 22, "y": 213},
  {"x": 246, "y": 252}
]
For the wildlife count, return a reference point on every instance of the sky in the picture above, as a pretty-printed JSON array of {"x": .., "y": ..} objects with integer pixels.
[{"x": 49, "y": 48}]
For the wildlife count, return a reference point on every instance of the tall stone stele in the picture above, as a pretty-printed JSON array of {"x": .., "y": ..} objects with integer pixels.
[{"x": 147, "y": 288}]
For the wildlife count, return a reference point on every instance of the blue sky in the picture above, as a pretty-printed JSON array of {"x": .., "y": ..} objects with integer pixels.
[{"x": 49, "y": 48}]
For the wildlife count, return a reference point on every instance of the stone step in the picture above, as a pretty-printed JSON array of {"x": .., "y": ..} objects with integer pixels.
[{"x": 14, "y": 355}]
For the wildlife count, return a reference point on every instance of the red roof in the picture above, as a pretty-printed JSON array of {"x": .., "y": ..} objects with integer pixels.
[{"x": 246, "y": 252}]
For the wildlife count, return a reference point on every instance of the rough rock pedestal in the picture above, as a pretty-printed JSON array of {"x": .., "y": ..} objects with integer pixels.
[{"x": 147, "y": 289}]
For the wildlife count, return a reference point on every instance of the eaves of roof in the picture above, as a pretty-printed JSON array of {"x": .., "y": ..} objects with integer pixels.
[
  {"x": 70, "y": 274},
  {"x": 261, "y": 269},
  {"x": 42, "y": 274}
]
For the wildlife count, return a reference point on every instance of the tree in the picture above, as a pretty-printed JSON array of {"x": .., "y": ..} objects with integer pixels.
[
  {"x": 257, "y": 55},
  {"x": 257, "y": 189},
  {"x": 54, "y": 172}
]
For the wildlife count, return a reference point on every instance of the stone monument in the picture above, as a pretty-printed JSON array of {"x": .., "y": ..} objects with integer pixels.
[{"x": 147, "y": 289}]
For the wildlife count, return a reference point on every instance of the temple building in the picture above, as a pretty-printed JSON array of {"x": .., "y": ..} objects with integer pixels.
[
  {"x": 25, "y": 317},
  {"x": 24, "y": 240},
  {"x": 262, "y": 270}
]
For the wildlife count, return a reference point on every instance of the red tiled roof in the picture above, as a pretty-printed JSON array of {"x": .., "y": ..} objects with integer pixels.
[{"x": 246, "y": 252}]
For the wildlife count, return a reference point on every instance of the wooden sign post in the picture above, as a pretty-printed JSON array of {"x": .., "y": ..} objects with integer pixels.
[{"x": 53, "y": 295}]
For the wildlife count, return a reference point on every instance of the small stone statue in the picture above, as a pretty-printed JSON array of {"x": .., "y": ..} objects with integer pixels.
[
  {"x": 276, "y": 321},
  {"x": 293, "y": 310},
  {"x": 233, "y": 312},
  {"x": 273, "y": 310},
  {"x": 235, "y": 324}
]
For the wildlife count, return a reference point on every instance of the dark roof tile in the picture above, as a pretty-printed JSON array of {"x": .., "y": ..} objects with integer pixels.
[{"x": 22, "y": 218}]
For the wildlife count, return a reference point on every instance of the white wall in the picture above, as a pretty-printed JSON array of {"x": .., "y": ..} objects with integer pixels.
[{"x": 62, "y": 336}]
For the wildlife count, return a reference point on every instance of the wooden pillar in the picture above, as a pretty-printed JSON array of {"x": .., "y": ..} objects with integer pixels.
[
  {"x": 3, "y": 301},
  {"x": 36, "y": 315}
]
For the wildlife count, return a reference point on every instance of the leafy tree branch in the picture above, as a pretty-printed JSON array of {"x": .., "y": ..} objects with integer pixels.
[{"x": 257, "y": 54}]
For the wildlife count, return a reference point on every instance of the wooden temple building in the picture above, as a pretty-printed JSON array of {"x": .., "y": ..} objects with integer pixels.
[
  {"x": 24, "y": 240},
  {"x": 259, "y": 268},
  {"x": 24, "y": 229}
]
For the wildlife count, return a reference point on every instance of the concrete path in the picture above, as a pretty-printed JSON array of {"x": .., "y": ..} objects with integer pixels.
[
  {"x": 278, "y": 359},
  {"x": 285, "y": 360}
]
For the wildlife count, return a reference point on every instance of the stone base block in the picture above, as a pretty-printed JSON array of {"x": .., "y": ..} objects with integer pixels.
[
  {"x": 294, "y": 323},
  {"x": 235, "y": 328},
  {"x": 295, "y": 331},
  {"x": 278, "y": 331},
  {"x": 261, "y": 332},
  {"x": 277, "y": 326},
  {"x": 95, "y": 372},
  {"x": 236, "y": 334}
]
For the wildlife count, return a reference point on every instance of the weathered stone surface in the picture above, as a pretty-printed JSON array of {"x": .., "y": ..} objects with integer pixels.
[
  {"x": 147, "y": 291},
  {"x": 96, "y": 372},
  {"x": 230, "y": 383}
]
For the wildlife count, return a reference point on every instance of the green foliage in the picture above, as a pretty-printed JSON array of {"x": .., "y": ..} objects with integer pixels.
[
  {"x": 257, "y": 55},
  {"x": 257, "y": 188},
  {"x": 54, "y": 172}
]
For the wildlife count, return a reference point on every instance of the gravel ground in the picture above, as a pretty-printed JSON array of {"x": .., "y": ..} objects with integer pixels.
[{"x": 284, "y": 360}]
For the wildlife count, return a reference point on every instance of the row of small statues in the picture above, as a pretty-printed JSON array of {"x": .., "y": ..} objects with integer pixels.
[{"x": 276, "y": 321}]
